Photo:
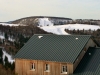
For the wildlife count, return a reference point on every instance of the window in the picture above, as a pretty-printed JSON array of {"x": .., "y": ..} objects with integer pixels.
[
  {"x": 64, "y": 69},
  {"x": 47, "y": 67},
  {"x": 32, "y": 66}
]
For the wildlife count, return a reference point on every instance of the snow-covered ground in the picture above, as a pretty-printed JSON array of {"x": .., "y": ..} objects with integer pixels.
[
  {"x": 45, "y": 22},
  {"x": 48, "y": 26},
  {"x": 2, "y": 37},
  {"x": 54, "y": 29},
  {"x": 9, "y": 57},
  {"x": 10, "y": 39},
  {"x": 81, "y": 27},
  {"x": 60, "y": 29},
  {"x": 7, "y": 24}
]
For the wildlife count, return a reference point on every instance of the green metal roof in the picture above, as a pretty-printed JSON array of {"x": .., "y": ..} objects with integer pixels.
[
  {"x": 90, "y": 64},
  {"x": 60, "y": 48}
]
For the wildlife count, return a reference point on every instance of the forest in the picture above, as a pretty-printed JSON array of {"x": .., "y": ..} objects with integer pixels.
[
  {"x": 20, "y": 34},
  {"x": 95, "y": 34}
]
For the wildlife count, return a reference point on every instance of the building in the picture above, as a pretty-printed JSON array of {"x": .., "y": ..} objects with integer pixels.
[
  {"x": 90, "y": 63},
  {"x": 52, "y": 54}
]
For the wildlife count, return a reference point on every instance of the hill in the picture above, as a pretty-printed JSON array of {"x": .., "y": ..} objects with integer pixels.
[{"x": 34, "y": 20}]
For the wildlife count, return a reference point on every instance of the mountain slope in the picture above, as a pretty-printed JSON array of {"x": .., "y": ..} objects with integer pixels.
[
  {"x": 34, "y": 20},
  {"x": 60, "y": 29}
]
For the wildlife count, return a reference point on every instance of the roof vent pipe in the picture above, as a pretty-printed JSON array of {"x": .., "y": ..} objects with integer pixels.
[
  {"x": 76, "y": 38},
  {"x": 40, "y": 37}
]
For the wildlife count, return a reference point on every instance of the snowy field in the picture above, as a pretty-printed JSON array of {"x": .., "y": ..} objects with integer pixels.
[
  {"x": 60, "y": 29},
  {"x": 44, "y": 22},
  {"x": 47, "y": 25},
  {"x": 6, "y": 24}
]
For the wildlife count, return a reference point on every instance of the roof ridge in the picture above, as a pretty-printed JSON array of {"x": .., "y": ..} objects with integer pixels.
[{"x": 62, "y": 35}]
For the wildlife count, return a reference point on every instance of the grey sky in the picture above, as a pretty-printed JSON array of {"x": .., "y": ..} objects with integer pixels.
[{"x": 75, "y": 9}]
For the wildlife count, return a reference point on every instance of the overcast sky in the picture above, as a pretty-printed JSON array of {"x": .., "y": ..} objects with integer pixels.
[{"x": 75, "y": 9}]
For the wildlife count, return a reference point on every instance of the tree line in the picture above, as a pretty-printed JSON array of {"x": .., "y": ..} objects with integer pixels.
[{"x": 94, "y": 33}]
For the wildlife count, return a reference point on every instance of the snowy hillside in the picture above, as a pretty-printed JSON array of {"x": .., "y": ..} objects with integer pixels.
[
  {"x": 7, "y": 24},
  {"x": 1, "y": 37},
  {"x": 60, "y": 29},
  {"x": 9, "y": 57},
  {"x": 9, "y": 38},
  {"x": 41, "y": 22},
  {"x": 45, "y": 22},
  {"x": 34, "y": 20},
  {"x": 48, "y": 26}
]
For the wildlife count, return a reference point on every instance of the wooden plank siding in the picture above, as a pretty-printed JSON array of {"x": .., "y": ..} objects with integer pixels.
[{"x": 22, "y": 67}]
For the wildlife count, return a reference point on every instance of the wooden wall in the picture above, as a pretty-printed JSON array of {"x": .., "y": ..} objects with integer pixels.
[
  {"x": 22, "y": 67},
  {"x": 91, "y": 43}
]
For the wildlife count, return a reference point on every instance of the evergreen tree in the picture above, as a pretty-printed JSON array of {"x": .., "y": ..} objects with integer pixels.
[
  {"x": 3, "y": 41},
  {"x": 6, "y": 62},
  {"x": 12, "y": 66},
  {"x": 6, "y": 59},
  {"x": 6, "y": 36},
  {"x": 1, "y": 54}
]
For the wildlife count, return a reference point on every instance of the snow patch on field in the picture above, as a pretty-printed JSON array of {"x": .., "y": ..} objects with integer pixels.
[
  {"x": 2, "y": 37},
  {"x": 81, "y": 27},
  {"x": 7, "y": 24},
  {"x": 54, "y": 30},
  {"x": 45, "y": 22},
  {"x": 10, "y": 39},
  {"x": 60, "y": 29},
  {"x": 9, "y": 57}
]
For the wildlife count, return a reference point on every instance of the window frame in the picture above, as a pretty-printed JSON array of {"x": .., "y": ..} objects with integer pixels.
[
  {"x": 47, "y": 67},
  {"x": 32, "y": 66},
  {"x": 64, "y": 69}
]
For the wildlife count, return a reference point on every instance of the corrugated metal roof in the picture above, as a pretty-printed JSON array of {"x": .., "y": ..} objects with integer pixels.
[
  {"x": 60, "y": 48},
  {"x": 90, "y": 64}
]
